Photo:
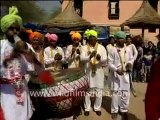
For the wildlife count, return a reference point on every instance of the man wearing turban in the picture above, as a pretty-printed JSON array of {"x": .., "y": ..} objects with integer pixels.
[
  {"x": 36, "y": 45},
  {"x": 72, "y": 54},
  {"x": 120, "y": 61},
  {"x": 14, "y": 98},
  {"x": 53, "y": 54},
  {"x": 94, "y": 55}
]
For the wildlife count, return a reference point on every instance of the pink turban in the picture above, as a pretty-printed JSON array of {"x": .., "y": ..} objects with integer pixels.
[{"x": 51, "y": 37}]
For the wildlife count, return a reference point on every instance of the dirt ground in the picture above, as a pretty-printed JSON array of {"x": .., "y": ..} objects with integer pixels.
[{"x": 136, "y": 108}]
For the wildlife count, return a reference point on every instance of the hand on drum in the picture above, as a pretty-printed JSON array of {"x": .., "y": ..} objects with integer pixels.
[
  {"x": 98, "y": 57},
  {"x": 58, "y": 57},
  {"x": 73, "y": 50},
  {"x": 78, "y": 57},
  {"x": 93, "y": 54}
]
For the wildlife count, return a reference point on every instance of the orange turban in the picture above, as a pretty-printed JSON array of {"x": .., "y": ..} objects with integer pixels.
[
  {"x": 75, "y": 36},
  {"x": 34, "y": 35}
]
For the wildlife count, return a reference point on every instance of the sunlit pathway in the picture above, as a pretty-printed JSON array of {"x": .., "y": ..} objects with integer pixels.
[{"x": 136, "y": 109}]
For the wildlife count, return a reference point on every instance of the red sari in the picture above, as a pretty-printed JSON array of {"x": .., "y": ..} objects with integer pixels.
[
  {"x": 1, "y": 114},
  {"x": 152, "y": 100}
]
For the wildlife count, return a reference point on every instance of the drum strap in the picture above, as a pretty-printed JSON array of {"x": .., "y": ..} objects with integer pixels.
[
  {"x": 122, "y": 57},
  {"x": 94, "y": 59}
]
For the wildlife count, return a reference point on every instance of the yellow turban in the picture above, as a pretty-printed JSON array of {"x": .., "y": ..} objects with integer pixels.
[
  {"x": 75, "y": 35},
  {"x": 89, "y": 33},
  {"x": 10, "y": 19}
]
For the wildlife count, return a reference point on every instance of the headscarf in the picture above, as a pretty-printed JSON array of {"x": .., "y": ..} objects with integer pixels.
[
  {"x": 51, "y": 37},
  {"x": 10, "y": 19},
  {"x": 89, "y": 33},
  {"x": 120, "y": 35},
  {"x": 34, "y": 35},
  {"x": 75, "y": 36}
]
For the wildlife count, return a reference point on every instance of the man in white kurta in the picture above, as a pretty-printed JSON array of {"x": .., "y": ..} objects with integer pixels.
[
  {"x": 72, "y": 54},
  {"x": 53, "y": 54},
  {"x": 95, "y": 56},
  {"x": 109, "y": 48},
  {"x": 35, "y": 40},
  {"x": 15, "y": 101},
  {"x": 132, "y": 47},
  {"x": 13, "y": 110},
  {"x": 120, "y": 61}
]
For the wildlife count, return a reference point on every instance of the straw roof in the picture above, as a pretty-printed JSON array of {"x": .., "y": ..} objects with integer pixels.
[
  {"x": 68, "y": 18},
  {"x": 145, "y": 17}
]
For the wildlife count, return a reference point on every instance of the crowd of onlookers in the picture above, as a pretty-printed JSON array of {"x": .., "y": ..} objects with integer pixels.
[{"x": 147, "y": 55}]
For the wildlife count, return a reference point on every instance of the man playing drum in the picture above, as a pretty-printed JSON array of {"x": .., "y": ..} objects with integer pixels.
[
  {"x": 73, "y": 51},
  {"x": 53, "y": 54},
  {"x": 15, "y": 100},
  {"x": 120, "y": 61},
  {"x": 36, "y": 45},
  {"x": 95, "y": 56}
]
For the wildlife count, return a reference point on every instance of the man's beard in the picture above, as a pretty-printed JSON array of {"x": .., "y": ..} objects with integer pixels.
[{"x": 11, "y": 39}]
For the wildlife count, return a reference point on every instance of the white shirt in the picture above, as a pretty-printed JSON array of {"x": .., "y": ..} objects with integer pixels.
[
  {"x": 98, "y": 79},
  {"x": 49, "y": 59},
  {"x": 119, "y": 82},
  {"x": 133, "y": 50},
  {"x": 72, "y": 62}
]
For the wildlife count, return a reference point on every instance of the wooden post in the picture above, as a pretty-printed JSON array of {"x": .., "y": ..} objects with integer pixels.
[{"x": 143, "y": 33}]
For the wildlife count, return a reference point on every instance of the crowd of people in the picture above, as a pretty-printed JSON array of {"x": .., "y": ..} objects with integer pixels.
[
  {"x": 145, "y": 54},
  {"x": 121, "y": 59}
]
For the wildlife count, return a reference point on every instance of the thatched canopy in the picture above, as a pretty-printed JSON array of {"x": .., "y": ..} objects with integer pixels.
[
  {"x": 68, "y": 18},
  {"x": 145, "y": 17}
]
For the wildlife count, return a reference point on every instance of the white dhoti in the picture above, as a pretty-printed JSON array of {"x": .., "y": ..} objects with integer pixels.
[
  {"x": 120, "y": 101},
  {"x": 98, "y": 101}
]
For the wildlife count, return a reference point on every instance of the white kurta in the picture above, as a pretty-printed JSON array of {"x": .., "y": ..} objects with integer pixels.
[
  {"x": 109, "y": 48},
  {"x": 72, "y": 62},
  {"x": 12, "y": 110},
  {"x": 38, "y": 55},
  {"x": 98, "y": 79},
  {"x": 119, "y": 82},
  {"x": 133, "y": 50},
  {"x": 49, "y": 59}
]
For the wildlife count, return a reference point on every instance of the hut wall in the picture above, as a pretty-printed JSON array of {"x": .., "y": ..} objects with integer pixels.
[{"x": 96, "y": 12}]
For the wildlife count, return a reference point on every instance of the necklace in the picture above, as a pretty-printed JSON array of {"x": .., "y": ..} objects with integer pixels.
[
  {"x": 122, "y": 59},
  {"x": 93, "y": 62}
]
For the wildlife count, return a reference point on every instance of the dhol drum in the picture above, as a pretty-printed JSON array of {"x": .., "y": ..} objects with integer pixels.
[{"x": 62, "y": 96}]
